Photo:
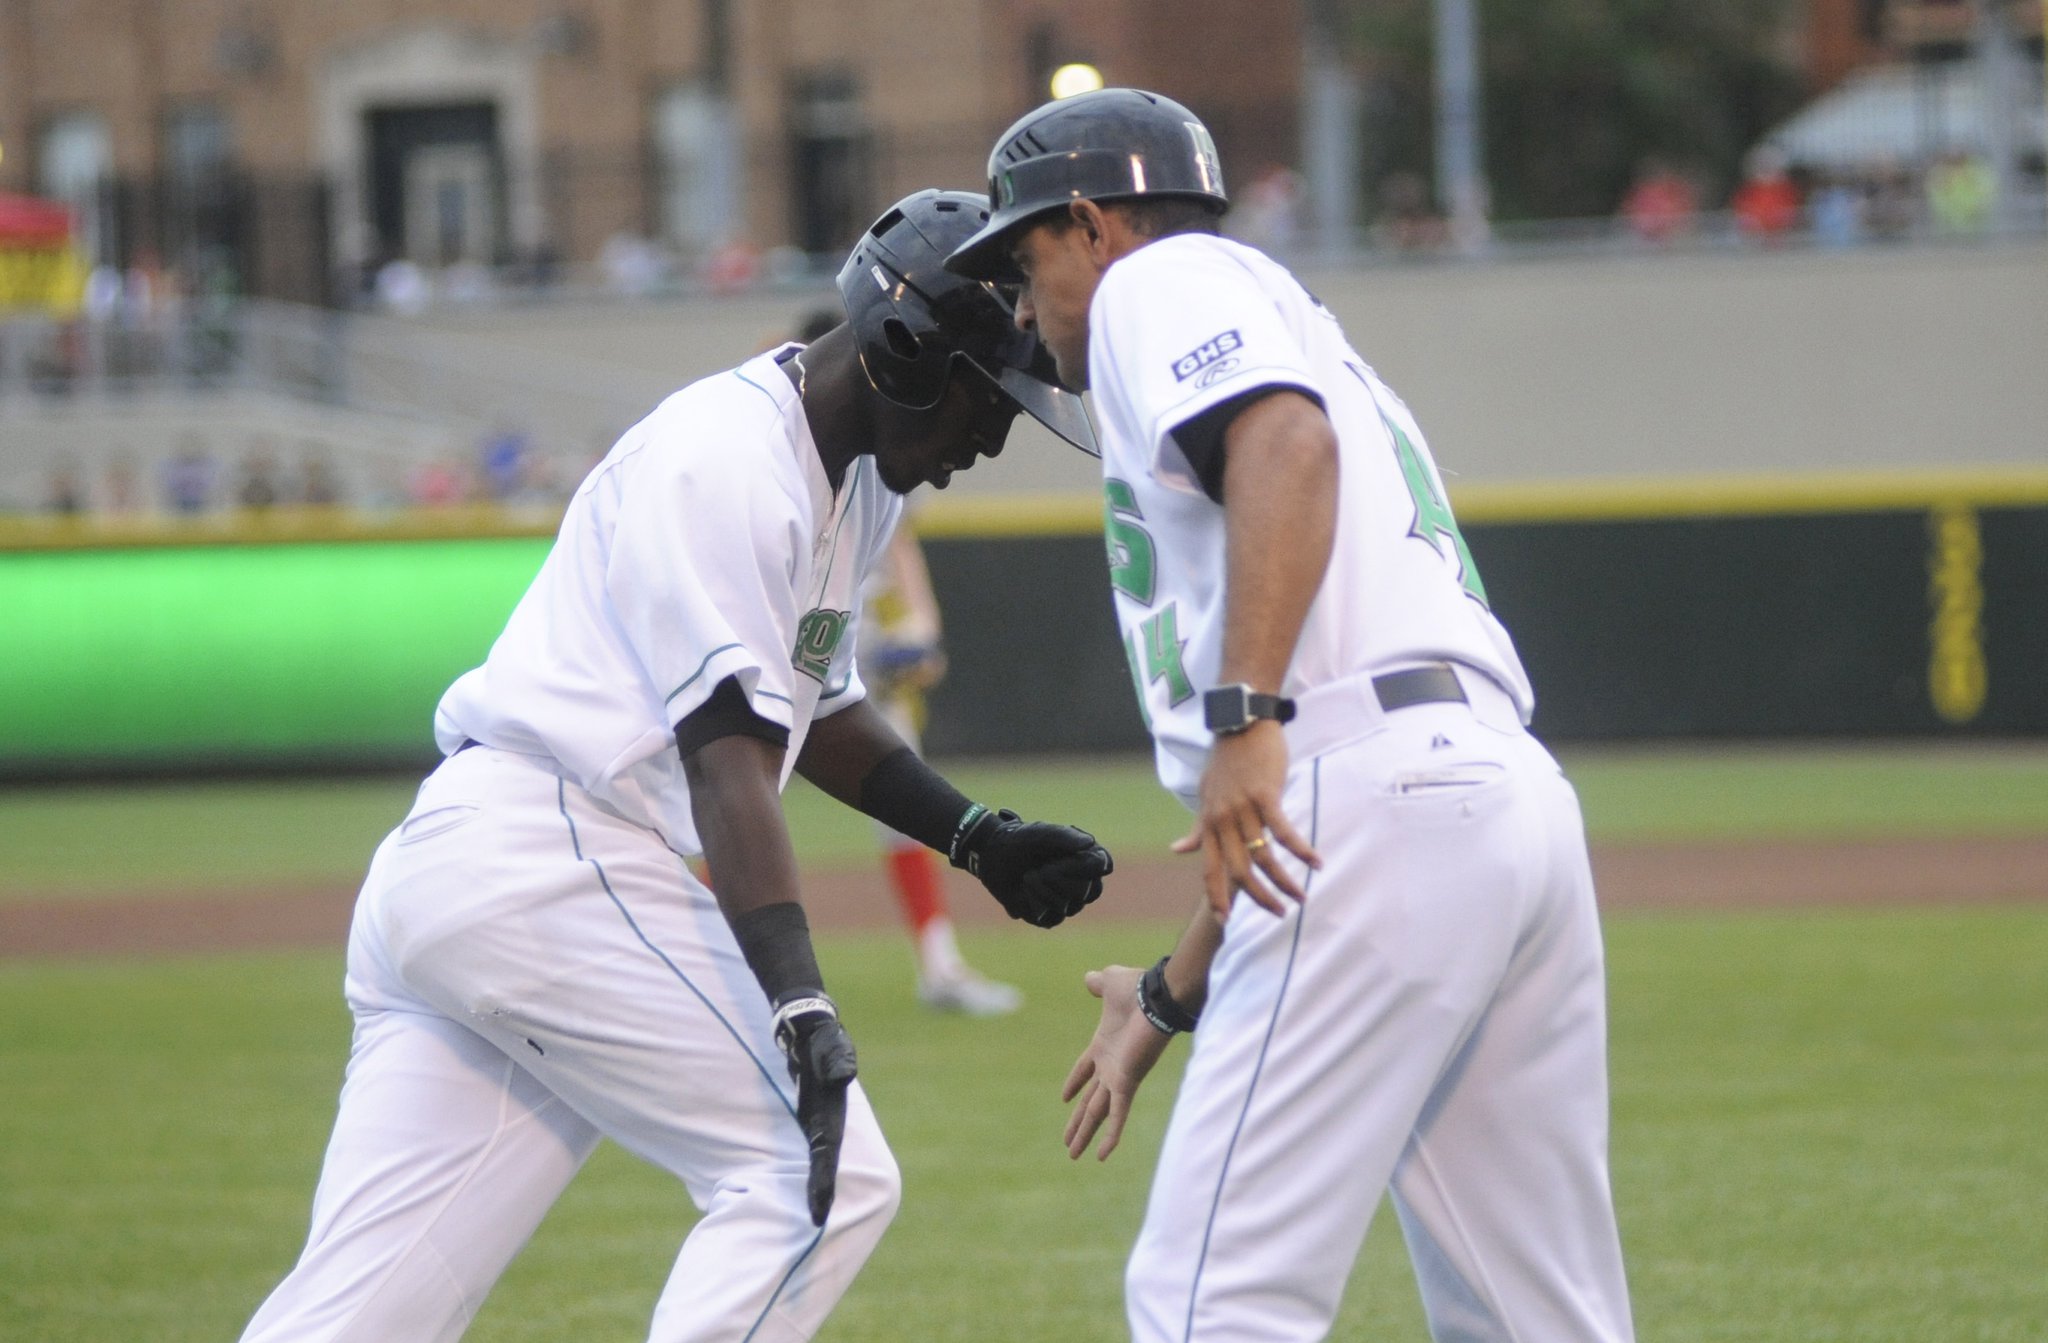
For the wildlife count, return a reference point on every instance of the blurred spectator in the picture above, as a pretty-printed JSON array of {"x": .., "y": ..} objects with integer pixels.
[
  {"x": 1661, "y": 205},
  {"x": 1766, "y": 205},
  {"x": 317, "y": 483},
  {"x": 439, "y": 483},
  {"x": 730, "y": 268},
  {"x": 1269, "y": 216},
  {"x": 143, "y": 287},
  {"x": 402, "y": 287},
  {"x": 1406, "y": 221},
  {"x": 1893, "y": 207},
  {"x": 258, "y": 488},
  {"x": 632, "y": 265},
  {"x": 537, "y": 487},
  {"x": 543, "y": 267},
  {"x": 103, "y": 291},
  {"x": 66, "y": 497},
  {"x": 1837, "y": 212},
  {"x": 500, "y": 457},
  {"x": 1961, "y": 189},
  {"x": 189, "y": 478},
  {"x": 466, "y": 282},
  {"x": 121, "y": 495}
]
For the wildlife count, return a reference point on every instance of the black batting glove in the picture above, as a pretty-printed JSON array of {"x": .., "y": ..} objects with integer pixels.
[
  {"x": 821, "y": 1062},
  {"x": 1040, "y": 872}
]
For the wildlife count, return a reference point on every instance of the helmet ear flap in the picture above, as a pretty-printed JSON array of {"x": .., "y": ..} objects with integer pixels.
[{"x": 902, "y": 341}]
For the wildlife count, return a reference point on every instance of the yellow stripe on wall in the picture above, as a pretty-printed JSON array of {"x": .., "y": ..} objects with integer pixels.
[{"x": 1602, "y": 500}]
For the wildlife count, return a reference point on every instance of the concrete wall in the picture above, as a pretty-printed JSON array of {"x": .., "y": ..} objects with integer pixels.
[
  {"x": 1583, "y": 366},
  {"x": 1787, "y": 362}
]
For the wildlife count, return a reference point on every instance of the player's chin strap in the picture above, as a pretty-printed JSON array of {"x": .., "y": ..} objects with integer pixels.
[{"x": 1156, "y": 1001}]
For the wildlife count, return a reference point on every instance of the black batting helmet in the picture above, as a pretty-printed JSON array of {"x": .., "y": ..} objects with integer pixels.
[
  {"x": 915, "y": 322},
  {"x": 1107, "y": 145}
]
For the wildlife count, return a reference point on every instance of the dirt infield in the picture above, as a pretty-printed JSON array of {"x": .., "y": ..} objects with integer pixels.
[{"x": 1630, "y": 877}]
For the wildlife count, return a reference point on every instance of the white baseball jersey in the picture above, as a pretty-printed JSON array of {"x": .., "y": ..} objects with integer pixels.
[
  {"x": 707, "y": 544},
  {"x": 1182, "y": 325},
  {"x": 1430, "y": 1022}
]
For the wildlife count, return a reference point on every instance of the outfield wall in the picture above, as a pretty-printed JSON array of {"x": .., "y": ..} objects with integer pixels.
[{"x": 1867, "y": 607}]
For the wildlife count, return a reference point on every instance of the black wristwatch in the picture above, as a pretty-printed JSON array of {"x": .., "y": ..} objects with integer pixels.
[{"x": 1230, "y": 709}]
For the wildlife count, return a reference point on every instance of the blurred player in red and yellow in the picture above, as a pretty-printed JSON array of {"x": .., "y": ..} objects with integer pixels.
[{"x": 901, "y": 658}]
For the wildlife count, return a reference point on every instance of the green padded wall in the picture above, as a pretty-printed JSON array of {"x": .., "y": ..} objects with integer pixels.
[{"x": 238, "y": 653}]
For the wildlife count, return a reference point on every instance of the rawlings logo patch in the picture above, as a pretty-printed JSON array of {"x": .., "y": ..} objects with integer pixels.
[
  {"x": 817, "y": 639},
  {"x": 1205, "y": 354}
]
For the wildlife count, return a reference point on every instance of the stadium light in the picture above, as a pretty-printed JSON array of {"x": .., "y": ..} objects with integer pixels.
[{"x": 1074, "y": 78}]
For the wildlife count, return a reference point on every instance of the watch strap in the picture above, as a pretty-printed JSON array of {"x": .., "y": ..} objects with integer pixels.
[{"x": 1233, "y": 708}]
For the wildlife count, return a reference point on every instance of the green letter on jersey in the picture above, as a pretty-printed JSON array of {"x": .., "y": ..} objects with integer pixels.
[
  {"x": 1433, "y": 514},
  {"x": 1130, "y": 546},
  {"x": 1161, "y": 659},
  {"x": 1163, "y": 646},
  {"x": 1133, "y": 571},
  {"x": 817, "y": 639}
]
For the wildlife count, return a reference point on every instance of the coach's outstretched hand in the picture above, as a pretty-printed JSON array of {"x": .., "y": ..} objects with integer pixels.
[
  {"x": 821, "y": 1062},
  {"x": 1040, "y": 872},
  {"x": 1107, "y": 1074}
]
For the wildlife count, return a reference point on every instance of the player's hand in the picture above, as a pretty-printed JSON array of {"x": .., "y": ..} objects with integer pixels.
[
  {"x": 1107, "y": 1074},
  {"x": 1040, "y": 872},
  {"x": 1240, "y": 825},
  {"x": 820, "y": 1055}
]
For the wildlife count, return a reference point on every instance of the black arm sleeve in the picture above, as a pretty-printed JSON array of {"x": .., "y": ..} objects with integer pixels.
[
  {"x": 909, "y": 796},
  {"x": 776, "y": 940},
  {"x": 726, "y": 714},
  {"x": 1200, "y": 438}
]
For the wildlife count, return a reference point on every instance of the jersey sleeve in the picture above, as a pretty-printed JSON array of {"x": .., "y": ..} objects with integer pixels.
[
  {"x": 701, "y": 575},
  {"x": 1182, "y": 329}
]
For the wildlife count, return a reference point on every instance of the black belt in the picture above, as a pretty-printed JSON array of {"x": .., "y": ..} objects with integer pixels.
[
  {"x": 467, "y": 742},
  {"x": 1435, "y": 684}
]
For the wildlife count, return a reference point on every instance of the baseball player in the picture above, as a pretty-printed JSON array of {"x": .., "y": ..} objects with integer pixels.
[
  {"x": 1396, "y": 968},
  {"x": 901, "y": 657},
  {"x": 532, "y": 965}
]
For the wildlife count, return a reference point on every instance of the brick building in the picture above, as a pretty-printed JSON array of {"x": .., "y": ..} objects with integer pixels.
[
  {"x": 308, "y": 140},
  {"x": 1842, "y": 35}
]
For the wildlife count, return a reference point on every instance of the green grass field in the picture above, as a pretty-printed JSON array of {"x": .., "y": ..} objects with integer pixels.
[
  {"x": 1827, "y": 1124},
  {"x": 89, "y": 841},
  {"x": 1827, "y": 1127}
]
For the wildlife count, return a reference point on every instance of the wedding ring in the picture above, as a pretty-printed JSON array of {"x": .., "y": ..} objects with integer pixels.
[{"x": 1252, "y": 845}]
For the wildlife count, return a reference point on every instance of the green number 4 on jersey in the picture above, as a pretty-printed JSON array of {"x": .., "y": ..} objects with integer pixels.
[{"x": 1433, "y": 520}]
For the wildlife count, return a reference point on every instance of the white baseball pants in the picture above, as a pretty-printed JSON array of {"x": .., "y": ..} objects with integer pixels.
[
  {"x": 529, "y": 973},
  {"x": 1432, "y": 1019}
]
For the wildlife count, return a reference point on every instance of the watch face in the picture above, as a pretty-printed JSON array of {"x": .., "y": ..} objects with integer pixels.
[{"x": 1227, "y": 709}]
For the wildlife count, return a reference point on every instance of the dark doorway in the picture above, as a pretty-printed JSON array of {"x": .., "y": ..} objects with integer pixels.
[
  {"x": 829, "y": 162},
  {"x": 437, "y": 183}
]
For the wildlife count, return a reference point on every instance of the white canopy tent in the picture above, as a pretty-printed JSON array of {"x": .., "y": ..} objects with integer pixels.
[{"x": 1902, "y": 114}]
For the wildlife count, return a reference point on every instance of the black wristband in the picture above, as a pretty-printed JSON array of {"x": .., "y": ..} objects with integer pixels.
[
  {"x": 1156, "y": 1001},
  {"x": 776, "y": 940},
  {"x": 912, "y": 798},
  {"x": 969, "y": 831}
]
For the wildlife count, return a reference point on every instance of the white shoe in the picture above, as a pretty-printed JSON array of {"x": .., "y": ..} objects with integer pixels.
[{"x": 968, "y": 993}]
